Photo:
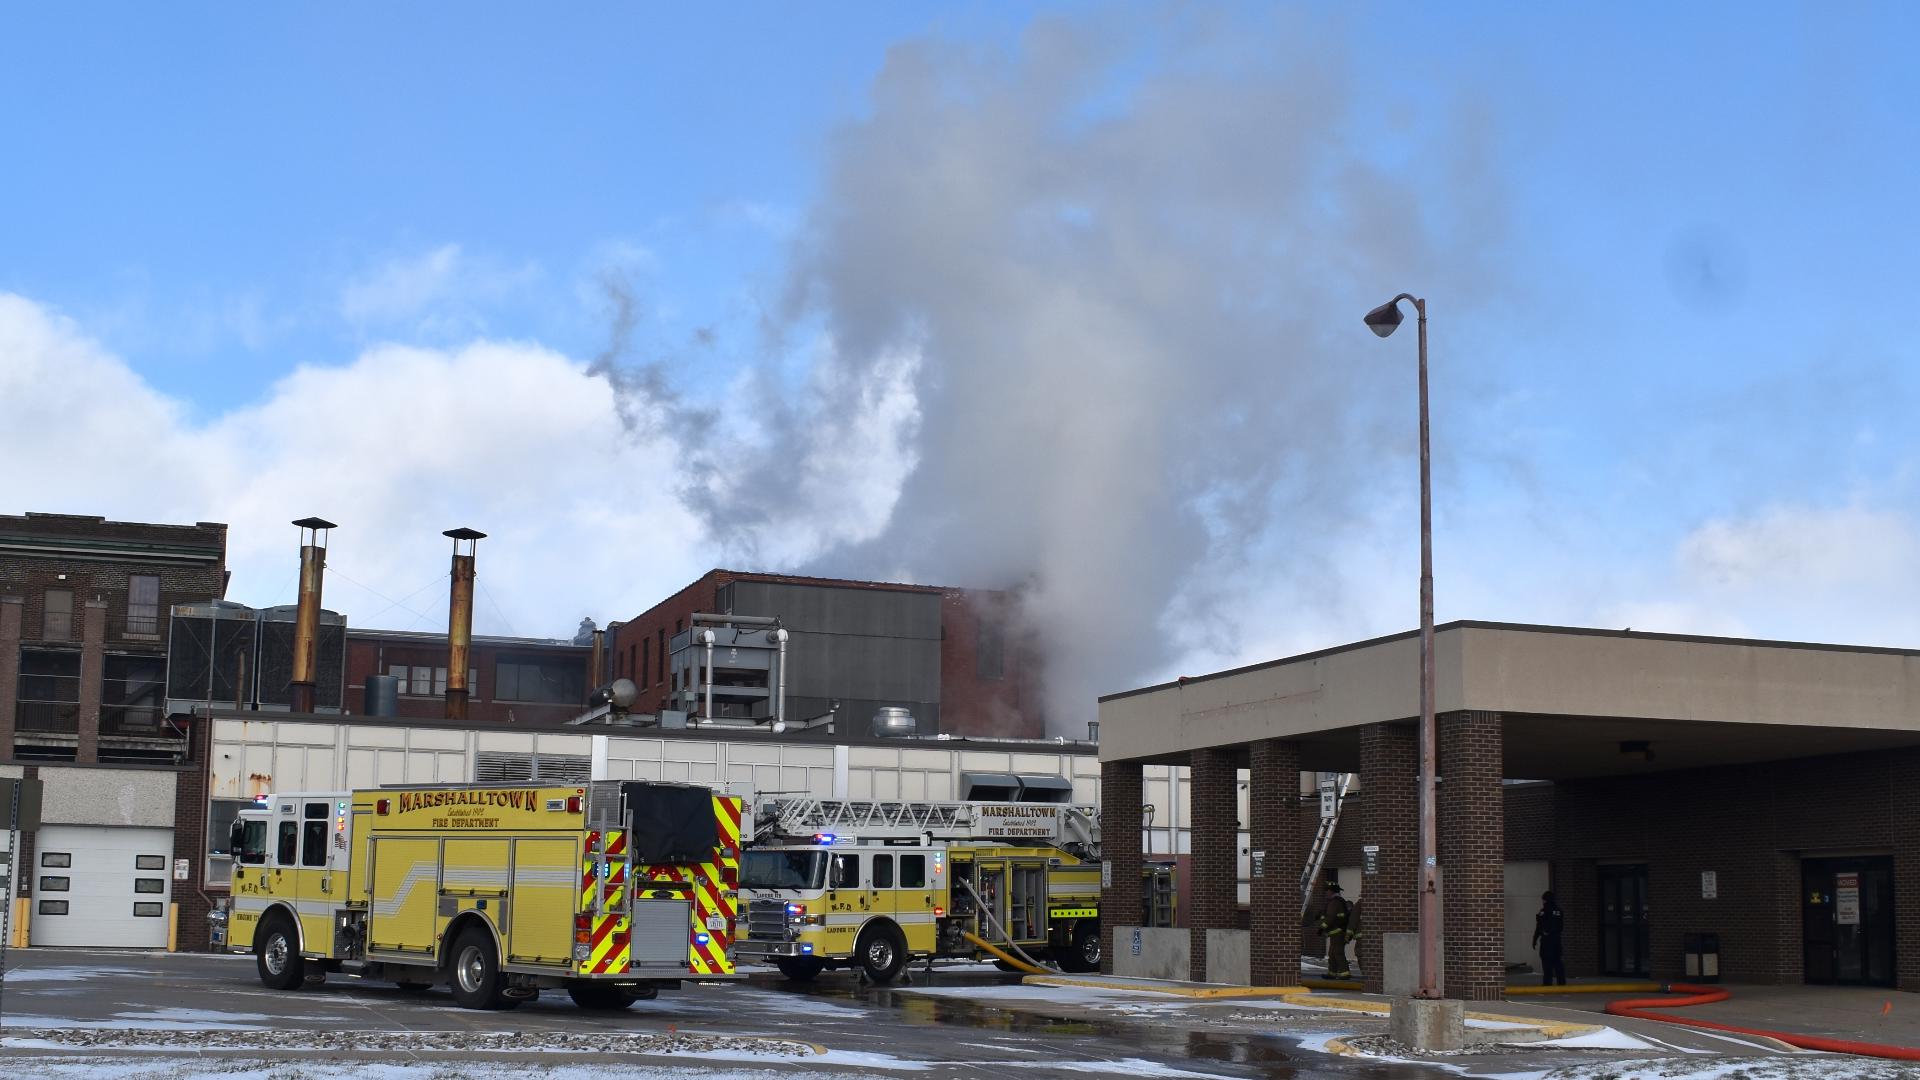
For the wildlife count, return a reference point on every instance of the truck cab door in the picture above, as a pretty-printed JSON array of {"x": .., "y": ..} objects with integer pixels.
[{"x": 315, "y": 896}]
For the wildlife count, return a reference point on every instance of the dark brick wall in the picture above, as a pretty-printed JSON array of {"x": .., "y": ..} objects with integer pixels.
[
  {"x": 1528, "y": 823},
  {"x": 1008, "y": 706},
  {"x": 11, "y": 609},
  {"x": 190, "y": 839},
  {"x": 1274, "y": 810},
  {"x": 971, "y": 704},
  {"x": 1389, "y": 774},
  {"x": 1215, "y": 776},
  {"x": 1751, "y": 825},
  {"x": 1472, "y": 854},
  {"x": 189, "y": 560},
  {"x": 372, "y": 654},
  {"x": 1120, "y": 820}
]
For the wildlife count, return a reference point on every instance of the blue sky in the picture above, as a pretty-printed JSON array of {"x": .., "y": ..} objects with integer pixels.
[{"x": 1666, "y": 247}]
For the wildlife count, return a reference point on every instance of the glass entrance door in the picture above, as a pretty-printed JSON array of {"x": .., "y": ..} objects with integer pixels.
[
  {"x": 1847, "y": 920},
  {"x": 1623, "y": 920}
]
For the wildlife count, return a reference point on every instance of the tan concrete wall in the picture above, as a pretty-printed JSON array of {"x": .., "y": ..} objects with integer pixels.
[
  {"x": 106, "y": 797},
  {"x": 1725, "y": 682},
  {"x": 1523, "y": 671}
]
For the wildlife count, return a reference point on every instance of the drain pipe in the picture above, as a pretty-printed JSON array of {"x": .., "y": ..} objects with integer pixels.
[
  {"x": 780, "y": 694},
  {"x": 706, "y": 678}
]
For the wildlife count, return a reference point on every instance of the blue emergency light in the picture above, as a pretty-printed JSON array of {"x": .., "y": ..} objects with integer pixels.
[{"x": 824, "y": 839}]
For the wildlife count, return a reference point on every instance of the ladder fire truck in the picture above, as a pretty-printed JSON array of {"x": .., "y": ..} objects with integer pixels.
[
  {"x": 877, "y": 885},
  {"x": 610, "y": 889}
]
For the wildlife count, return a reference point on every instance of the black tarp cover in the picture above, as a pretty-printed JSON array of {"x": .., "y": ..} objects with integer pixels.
[{"x": 669, "y": 823}]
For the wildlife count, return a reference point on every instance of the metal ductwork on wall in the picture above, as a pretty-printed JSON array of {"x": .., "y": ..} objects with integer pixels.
[
  {"x": 460, "y": 619},
  {"x": 306, "y": 622}
]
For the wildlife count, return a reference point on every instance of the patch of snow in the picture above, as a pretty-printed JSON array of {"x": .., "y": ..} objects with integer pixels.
[
  {"x": 1604, "y": 1039},
  {"x": 49, "y": 975}
]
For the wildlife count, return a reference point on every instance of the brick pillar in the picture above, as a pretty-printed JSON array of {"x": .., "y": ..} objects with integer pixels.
[
  {"x": 1121, "y": 846},
  {"x": 190, "y": 836},
  {"x": 1390, "y": 817},
  {"x": 1905, "y": 768},
  {"x": 10, "y": 610},
  {"x": 1473, "y": 855},
  {"x": 1213, "y": 901},
  {"x": 1273, "y": 810},
  {"x": 93, "y": 673}
]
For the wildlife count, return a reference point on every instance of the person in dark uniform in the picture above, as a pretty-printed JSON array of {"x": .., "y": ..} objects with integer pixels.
[
  {"x": 1336, "y": 922},
  {"x": 1546, "y": 938}
]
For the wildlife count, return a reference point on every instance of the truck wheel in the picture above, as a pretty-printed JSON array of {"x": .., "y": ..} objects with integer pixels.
[
  {"x": 277, "y": 955},
  {"x": 1083, "y": 952},
  {"x": 882, "y": 953},
  {"x": 799, "y": 968},
  {"x": 475, "y": 975},
  {"x": 600, "y": 996}
]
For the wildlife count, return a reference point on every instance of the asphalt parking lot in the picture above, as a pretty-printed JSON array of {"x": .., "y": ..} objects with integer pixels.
[{"x": 154, "y": 1016}]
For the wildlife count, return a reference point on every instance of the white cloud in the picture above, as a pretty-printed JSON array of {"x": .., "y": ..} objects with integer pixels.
[
  {"x": 440, "y": 291},
  {"x": 397, "y": 445},
  {"x": 1797, "y": 547}
]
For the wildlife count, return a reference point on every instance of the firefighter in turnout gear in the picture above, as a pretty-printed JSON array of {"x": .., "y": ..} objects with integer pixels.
[{"x": 1336, "y": 923}]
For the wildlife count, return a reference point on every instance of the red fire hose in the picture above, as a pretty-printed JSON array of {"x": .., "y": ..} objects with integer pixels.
[{"x": 1706, "y": 995}]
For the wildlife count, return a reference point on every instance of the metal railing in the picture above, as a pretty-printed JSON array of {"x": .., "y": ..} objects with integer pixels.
[
  {"x": 47, "y": 717},
  {"x": 137, "y": 627}
]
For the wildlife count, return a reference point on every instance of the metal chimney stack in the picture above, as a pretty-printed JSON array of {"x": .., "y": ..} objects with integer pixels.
[
  {"x": 306, "y": 620},
  {"x": 460, "y": 620},
  {"x": 597, "y": 662}
]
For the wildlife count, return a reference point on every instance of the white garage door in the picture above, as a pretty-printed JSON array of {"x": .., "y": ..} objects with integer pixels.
[{"x": 101, "y": 887}]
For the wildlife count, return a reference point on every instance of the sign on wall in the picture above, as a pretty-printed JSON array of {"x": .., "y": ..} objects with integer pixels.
[
  {"x": 1709, "y": 885},
  {"x": 1846, "y": 899},
  {"x": 1257, "y": 861},
  {"x": 1370, "y": 859},
  {"x": 1329, "y": 796}
]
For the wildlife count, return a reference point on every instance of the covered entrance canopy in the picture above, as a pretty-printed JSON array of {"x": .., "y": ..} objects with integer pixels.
[{"x": 1694, "y": 754}]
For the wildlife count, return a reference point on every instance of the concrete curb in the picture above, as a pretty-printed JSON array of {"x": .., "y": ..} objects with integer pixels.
[
  {"x": 1171, "y": 989},
  {"x": 1541, "y": 1030}
]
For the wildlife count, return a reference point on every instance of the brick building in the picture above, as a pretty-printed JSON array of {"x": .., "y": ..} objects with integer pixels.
[
  {"x": 954, "y": 657},
  {"x": 84, "y": 606},
  {"x": 1673, "y": 787},
  {"x": 83, "y": 633},
  {"x": 509, "y": 680}
]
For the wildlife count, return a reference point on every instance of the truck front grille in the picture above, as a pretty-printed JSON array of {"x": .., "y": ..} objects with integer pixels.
[{"x": 767, "y": 920}]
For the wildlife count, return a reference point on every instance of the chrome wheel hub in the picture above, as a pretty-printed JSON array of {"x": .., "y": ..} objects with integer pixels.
[
  {"x": 275, "y": 955},
  {"x": 471, "y": 969}
]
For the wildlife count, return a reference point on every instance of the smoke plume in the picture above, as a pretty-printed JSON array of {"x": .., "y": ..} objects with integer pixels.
[{"x": 1085, "y": 320}]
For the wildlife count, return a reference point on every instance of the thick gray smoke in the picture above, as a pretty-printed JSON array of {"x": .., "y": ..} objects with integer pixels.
[{"x": 1093, "y": 312}]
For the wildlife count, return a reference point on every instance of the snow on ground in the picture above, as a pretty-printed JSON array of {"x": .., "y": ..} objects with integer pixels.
[
  {"x": 230, "y": 1069},
  {"x": 1783, "y": 1067},
  {"x": 50, "y": 974}
]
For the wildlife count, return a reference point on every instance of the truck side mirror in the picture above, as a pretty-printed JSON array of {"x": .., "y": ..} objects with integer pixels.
[{"x": 237, "y": 840}]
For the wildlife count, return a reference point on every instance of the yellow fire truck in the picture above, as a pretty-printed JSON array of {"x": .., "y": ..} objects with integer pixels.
[
  {"x": 878, "y": 885},
  {"x": 608, "y": 889}
]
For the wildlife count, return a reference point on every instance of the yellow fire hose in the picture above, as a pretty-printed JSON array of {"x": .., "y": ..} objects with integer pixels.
[
  {"x": 1021, "y": 963},
  {"x": 1005, "y": 957},
  {"x": 1514, "y": 991}
]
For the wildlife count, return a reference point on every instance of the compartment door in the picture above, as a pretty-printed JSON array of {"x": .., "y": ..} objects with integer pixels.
[
  {"x": 546, "y": 881},
  {"x": 404, "y": 882}
]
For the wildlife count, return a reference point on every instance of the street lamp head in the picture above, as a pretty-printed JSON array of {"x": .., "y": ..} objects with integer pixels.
[{"x": 1385, "y": 318}]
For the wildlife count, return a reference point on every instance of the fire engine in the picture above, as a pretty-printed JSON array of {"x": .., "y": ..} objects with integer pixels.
[
  {"x": 878, "y": 885},
  {"x": 611, "y": 890}
]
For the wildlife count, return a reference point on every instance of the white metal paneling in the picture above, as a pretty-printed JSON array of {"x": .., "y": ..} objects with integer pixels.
[{"x": 112, "y": 891}]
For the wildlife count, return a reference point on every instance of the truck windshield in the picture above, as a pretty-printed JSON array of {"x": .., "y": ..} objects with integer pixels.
[{"x": 802, "y": 869}]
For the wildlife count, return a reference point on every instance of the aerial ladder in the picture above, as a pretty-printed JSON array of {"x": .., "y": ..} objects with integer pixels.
[
  {"x": 1322, "y": 840},
  {"x": 1066, "y": 826}
]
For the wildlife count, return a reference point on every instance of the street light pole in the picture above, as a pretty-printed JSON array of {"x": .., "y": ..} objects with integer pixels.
[{"x": 1382, "y": 320}]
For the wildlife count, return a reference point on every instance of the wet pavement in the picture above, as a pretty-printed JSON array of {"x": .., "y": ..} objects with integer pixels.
[
  {"x": 147, "y": 1006},
  {"x": 176, "y": 1016}
]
